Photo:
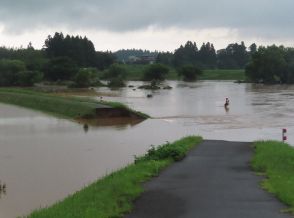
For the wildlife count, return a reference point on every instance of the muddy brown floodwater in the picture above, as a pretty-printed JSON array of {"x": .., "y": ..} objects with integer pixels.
[{"x": 43, "y": 159}]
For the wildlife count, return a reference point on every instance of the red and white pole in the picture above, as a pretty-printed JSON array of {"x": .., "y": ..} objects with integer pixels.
[{"x": 284, "y": 137}]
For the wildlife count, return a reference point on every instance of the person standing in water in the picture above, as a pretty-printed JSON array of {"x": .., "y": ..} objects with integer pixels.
[{"x": 227, "y": 102}]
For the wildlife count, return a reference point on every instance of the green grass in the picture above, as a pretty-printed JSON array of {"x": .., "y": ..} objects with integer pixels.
[
  {"x": 68, "y": 107},
  {"x": 113, "y": 195},
  {"x": 223, "y": 75},
  {"x": 276, "y": 161},
  {"x": 135, "y": 72}
]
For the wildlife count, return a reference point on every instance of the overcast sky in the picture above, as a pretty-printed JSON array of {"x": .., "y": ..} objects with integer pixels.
[{"x": 148, "y": 24}]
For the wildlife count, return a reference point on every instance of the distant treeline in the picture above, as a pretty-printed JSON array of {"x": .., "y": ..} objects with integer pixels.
[
  {"x": 271, "y": 64},
  {"x": 74, "y": 58},
  {"x": 61, "y": 58},
  {"x": 78, "y": 49},
  {"x": 234, "y": 56}
]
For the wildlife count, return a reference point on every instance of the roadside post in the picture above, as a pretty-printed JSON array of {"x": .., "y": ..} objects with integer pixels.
[{"x": 284, "y": 137}]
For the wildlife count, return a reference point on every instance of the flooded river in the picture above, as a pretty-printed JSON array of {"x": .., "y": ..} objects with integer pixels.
[{"x": 43, "y": 159}]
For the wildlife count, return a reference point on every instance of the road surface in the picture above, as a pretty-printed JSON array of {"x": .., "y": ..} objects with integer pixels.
[{"x": 213, "y": 181}]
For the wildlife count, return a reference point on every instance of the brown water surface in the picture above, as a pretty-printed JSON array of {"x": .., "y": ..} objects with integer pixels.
[{"x": 43, "y": 159}]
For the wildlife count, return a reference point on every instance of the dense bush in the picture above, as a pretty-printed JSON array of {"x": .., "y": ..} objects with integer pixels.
[
  {"x": 60, "y": 68},
  {"x": 86, "y": 77},
  {"x": 29, "y": 78},
  {"x": 115, "y": 71},
  {"x": 14, "y": 73},
  {"x": 189, "y": 72},
  {"x": 115, "y": 75},
  {"x": 175, "y": 151},
  {"x": 116, "y": 82},
  {"x": 155, "y": 72},
  {"x": 9, "y": 70},
  {"x": 166, "y": 151}
]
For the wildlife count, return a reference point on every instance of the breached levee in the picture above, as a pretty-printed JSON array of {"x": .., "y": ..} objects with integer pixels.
[
  {"x": 109, "y": 112},
  {"x": 109, "y": 116},
  {"x": 78, "y": 108}
]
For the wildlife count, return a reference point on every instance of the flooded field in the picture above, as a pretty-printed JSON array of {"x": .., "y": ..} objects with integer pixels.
[
  {"x": 255, "y": 111},
  {"x": 43, "y": 159}
]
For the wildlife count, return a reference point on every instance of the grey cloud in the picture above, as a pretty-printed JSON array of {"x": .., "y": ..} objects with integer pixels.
[{"x": 258, "y": 17}]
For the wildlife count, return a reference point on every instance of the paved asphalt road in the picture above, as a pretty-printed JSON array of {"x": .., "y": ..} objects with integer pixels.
[{"x": 213, "y": 181}]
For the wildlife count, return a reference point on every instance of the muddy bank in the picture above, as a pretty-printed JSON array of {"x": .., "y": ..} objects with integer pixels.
[
  {"x": 117, "y": 113},
  {"x": 108, "y": 116}
]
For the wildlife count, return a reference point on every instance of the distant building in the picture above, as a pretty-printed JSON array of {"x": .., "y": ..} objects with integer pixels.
[
  {"x": 133, "y": 59},
  {"x": 145, "y": 59}
]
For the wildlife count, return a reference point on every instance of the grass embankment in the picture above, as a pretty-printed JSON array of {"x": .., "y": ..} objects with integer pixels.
[
  {"x": 68, "y": 107},
  {"x": 135, "y": 72},
  {"x": 113, "y": 195},
  {"x": 276, "y": 161}
]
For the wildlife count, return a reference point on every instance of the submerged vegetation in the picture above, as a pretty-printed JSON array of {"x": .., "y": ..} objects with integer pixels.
[
  {"x": 113, "y": 195},
  {"x": 116, "y": 75},
  {"x": 189, "y": 73},
  {"x": 68, "y": 107},
  {"x": 155, "y": 72},
  {"x": 276, "y": 161}
]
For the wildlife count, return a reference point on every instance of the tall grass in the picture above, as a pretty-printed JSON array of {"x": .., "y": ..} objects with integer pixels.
[
  {"x": 113, "y": 195},
  {"x": 276, "y": 161}
]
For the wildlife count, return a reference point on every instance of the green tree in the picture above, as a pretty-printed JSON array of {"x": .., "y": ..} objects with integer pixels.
[
  {"x": 80, "y": 50},
  {"x": 60, "y": 68},
  {"x": 115, "y": 75},
  {"x": 186, "y": 55},
  {"x": 189, "y": 72},
  {"x": 155, "y": 72},
  {"x": 114, "y": 71},
  {"x": 269, "y": 65},
  {"x": 33, "y": 59},
  {"x": 104, "y": 60},
  {"x": 253, "y": 48},
  {"x": 9, "y": 70},
  {"x": 207, "y": 56},
  {"x": 87, "y": 77},
  {"x": 166, "y": 58},
  {"x": 289, "y": 57},
  {"x": 6, "y": 53},
  {"x": 29, "y": 78},
  {"x": 234, "y": 56}
]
